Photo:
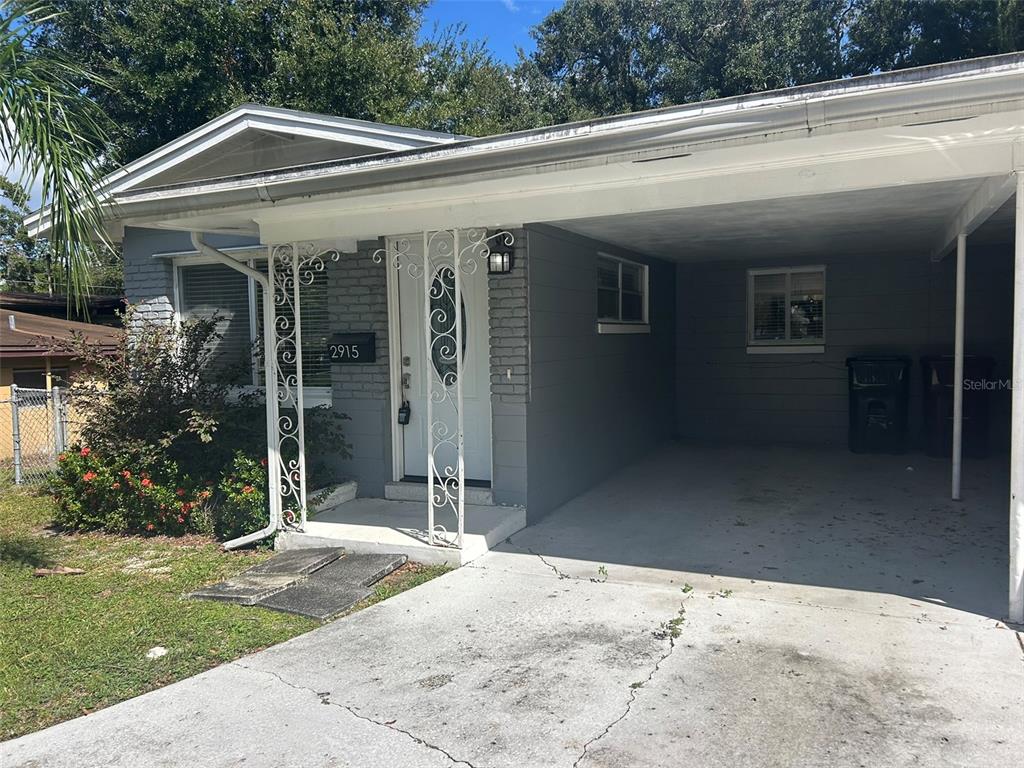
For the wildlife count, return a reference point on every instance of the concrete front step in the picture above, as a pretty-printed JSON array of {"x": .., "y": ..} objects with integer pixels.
[{"x": 406, "y": 491}]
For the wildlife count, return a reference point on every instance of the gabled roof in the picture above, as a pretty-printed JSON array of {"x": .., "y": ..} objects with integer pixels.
[{"x": 251, "y": 138}]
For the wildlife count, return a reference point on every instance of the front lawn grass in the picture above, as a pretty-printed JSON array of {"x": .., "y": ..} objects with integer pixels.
[{"x": 72, "y": 644}]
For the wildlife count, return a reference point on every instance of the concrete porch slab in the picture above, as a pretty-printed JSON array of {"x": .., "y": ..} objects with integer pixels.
[{"x": 379, "y": 526}]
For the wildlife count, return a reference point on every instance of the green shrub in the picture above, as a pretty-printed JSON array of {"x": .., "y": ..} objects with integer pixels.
[
  {"x": 241, "y": 506},
  {"x": 166, "y": 446}
]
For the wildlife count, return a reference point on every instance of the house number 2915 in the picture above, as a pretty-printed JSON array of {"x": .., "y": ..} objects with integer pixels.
[
  {"x": 352, "y": 348},
  {"x": 344, "y": 351}
]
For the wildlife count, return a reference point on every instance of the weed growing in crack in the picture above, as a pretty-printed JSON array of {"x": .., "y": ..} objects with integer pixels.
[
  {"x": 687, "y": 588},
  {"x": 673, "y": 628},
  {"x": 602, "y": 575}
]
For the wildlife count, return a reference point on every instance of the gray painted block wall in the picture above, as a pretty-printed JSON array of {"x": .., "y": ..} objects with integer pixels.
[
  {"x": 149, "y": 279},
  {"x": 597, "y": 402},
  {"x": 890, "y": 303},
  {"x": 357, "y": 287},
  {"x": 510, "y": 375}
]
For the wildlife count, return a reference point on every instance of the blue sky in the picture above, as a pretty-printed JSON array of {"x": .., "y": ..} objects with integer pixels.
[{"x": 501, "y": 24}]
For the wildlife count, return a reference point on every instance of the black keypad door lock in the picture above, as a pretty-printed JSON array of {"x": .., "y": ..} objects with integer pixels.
[{"x": 404, "y": 413}]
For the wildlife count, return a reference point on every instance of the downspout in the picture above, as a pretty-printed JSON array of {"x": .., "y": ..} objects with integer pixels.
[{"x": 270, "y": 384}]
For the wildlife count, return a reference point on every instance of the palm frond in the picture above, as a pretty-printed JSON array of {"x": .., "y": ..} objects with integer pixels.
[{"x": 52, "y": 131}]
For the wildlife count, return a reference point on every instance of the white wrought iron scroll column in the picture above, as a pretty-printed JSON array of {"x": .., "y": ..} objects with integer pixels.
[
  {"x": 460, "y": 435},
  {"x": 428, "y": 271},
  {"x": 447, "y": 256},
  {"x": 292, "y": 267}
]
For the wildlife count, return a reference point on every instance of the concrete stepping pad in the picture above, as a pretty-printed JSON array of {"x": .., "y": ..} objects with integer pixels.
[
  {"x": 298, "y": 561},
  {"x": 245, "y": 590},
  {"x": 369, "y": 569},
  {"x": 335, "y": 588},
  {"x": 279, "y": 572}
]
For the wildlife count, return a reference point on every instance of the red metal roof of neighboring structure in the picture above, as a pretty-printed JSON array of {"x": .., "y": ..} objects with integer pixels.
[{"x": 28, "y": 335}]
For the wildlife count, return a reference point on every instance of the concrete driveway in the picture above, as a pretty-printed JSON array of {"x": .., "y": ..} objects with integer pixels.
[{"x": 590, "y": 641}]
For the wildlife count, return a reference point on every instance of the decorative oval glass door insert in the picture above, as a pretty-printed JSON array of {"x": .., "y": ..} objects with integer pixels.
[{"x": 442, "y": 326}]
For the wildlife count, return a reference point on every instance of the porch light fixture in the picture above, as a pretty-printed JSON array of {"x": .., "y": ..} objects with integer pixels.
[{"x": 501, "y": 259}]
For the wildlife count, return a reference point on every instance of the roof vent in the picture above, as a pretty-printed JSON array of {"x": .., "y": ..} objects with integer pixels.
[{"x": 663, "y": 157}]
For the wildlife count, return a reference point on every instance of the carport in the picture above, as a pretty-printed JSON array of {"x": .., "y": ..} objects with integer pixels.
[{"x": 760, "y": 484}]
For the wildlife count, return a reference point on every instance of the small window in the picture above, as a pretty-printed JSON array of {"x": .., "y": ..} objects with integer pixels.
[
  {"x": 786, "y": 309},
  {"x": 30, "y": 379},
  {"x": 621, "y": 296},
  {"x": 209, "y": 290}
]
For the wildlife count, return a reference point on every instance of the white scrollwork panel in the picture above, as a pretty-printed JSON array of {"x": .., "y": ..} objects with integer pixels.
[
  {"x": 292, "y": 267},
  {"x": 443, "y": 259}
]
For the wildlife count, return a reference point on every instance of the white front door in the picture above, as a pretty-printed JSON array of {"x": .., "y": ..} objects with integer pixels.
[{"x": 415, "y": 359}]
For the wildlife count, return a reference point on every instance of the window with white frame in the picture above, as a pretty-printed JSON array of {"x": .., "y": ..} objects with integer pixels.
[
  {"x": 205, "y": 289},
  {"x": 786, "y": 308},
  {"x": 621, "y": 295}
]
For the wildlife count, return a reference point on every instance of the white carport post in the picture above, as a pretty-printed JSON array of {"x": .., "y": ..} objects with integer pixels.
[
  {"x": 1017, "y": 418},
  {"x": 958, "y": 362}
]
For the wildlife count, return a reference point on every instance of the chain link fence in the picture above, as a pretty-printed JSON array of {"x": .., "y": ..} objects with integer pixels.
[{"x": 33, "y": 432}]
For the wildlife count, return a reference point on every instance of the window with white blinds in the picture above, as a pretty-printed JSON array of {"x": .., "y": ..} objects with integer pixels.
[
  {"x": 786, "y": 306},
  {"x": 206, "y": 290},
  {"x": 237, "y": 300}
]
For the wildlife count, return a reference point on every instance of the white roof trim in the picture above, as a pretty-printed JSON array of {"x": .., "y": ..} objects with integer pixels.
[{"x": 377, "y": 136}]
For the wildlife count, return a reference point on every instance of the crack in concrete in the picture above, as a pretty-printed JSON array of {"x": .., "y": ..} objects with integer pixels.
[
  {"x": 325, "y": 698},
  {"x": 634, "y": 690},
  {"x": 552, "y": 566}
]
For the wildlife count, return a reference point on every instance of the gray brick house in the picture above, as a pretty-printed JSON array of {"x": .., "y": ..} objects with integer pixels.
[{"x": 697, "y": 273}]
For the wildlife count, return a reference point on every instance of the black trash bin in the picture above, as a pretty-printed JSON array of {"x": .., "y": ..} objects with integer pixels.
[
  {"x": 879, "y": 393},
  {"x": 937, "y": 378}
]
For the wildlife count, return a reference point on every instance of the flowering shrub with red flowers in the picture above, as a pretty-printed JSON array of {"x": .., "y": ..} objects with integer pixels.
[
  {"x": 92, "y": 492},
  {"x": 167, "y": 443}
]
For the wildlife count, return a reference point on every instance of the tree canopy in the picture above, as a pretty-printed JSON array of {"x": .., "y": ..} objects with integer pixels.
[
  {"x": 172, "y": 65},
  {"x": 595, "y": 57},
  {"x": 167, "y": 66}
]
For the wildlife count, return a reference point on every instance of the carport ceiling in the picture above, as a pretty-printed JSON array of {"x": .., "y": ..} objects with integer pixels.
[{"x": 898, "y": 219}]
